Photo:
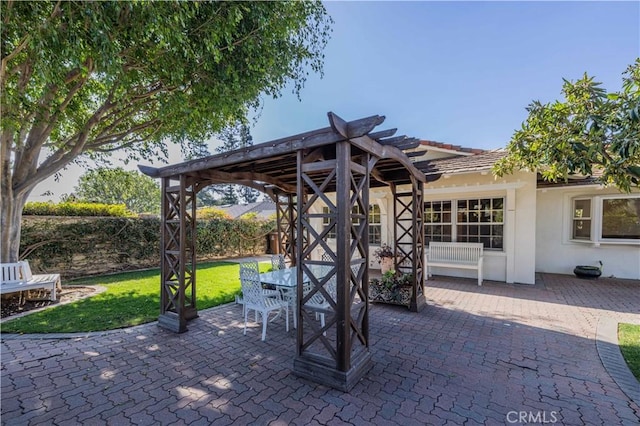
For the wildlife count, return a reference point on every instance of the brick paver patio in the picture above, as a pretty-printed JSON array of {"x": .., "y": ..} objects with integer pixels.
[{"x": 496, "y": 354}]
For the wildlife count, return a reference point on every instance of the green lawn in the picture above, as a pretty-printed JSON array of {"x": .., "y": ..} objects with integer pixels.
[
  {"x": 629, "y": 339},
  {"x": 131, "y": 298}
]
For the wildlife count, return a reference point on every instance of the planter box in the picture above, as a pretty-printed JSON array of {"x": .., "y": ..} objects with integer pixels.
[{"x": 400, "y": 295}]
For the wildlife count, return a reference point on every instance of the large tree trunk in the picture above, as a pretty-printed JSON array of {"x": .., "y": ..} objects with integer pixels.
[{"x": 10, "y": 218}]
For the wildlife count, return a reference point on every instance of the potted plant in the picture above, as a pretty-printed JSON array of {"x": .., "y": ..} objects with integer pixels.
[
  {"x": 394, "y": 288},
  {"x": 588, "y": 272},
  {"x": 385, "y": 256}
]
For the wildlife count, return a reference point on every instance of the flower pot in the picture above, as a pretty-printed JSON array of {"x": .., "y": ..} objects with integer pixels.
[
  {"x": 587, "y": 272},
  {"x": 386, "y": 264}
]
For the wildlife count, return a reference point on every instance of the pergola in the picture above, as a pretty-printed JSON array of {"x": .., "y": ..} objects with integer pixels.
[{"x": 297, "y": 172}]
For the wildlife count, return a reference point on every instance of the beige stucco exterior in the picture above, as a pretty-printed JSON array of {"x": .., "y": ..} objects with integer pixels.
[
  {"x": 516, "y": 262},
  {"x": 537, "y": 227},
  {"x": 556, "y": 252}
]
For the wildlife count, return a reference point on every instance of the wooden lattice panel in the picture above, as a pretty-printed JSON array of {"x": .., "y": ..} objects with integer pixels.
[
  {"x": 409, "y": 238},
  {"x": 286, "y": 216},
  {"x": 345, "y": 333},
  {"x": 177, "y": 292}
]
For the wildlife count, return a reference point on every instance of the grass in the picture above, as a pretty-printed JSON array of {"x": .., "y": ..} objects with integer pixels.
[
  {"x": 629, "y": 339},
  {"x": 131, "y": 298}
]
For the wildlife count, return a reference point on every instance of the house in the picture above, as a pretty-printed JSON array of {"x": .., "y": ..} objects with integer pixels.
[
  {"x": 527, "y": 225},
  {"x": 262, "y": 209}
]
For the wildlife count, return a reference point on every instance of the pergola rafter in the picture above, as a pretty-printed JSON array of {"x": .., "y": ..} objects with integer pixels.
[{"x": 346, "y": 159}]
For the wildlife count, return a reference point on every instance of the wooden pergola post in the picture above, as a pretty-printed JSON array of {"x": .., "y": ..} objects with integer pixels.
[
  {"x": 178, "y": 255},
  {"x": 285, "y": 222},
  {"x": 337, "y": 354},
  {"x": 408, "y": 236}
]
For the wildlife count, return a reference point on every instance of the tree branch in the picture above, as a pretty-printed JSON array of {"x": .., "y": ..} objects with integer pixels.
[
  {"x": 241, "y": 40},
  {"x": 97, "y": 143},
  {"x": 62, "y": 157},
  {"x": 53, "y": 121},
  {"x": 24, "y": 41}
]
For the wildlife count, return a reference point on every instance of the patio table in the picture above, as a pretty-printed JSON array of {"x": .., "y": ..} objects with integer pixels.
[{"x": 286, "y": 280}]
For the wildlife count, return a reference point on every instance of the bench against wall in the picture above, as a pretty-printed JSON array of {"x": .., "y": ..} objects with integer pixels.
[
  {"x": 455, "y": 255},
  {"x": 17, "y": 277}
]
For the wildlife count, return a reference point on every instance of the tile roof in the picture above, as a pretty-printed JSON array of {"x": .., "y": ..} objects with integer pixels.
[
  {"x": 460, "y": 164},
  {"x": 451, "y": 147},
  {"x": 485, "y": 161},
  {"x": 574, "y": 180},
  {"x": 263, "y": 208}
]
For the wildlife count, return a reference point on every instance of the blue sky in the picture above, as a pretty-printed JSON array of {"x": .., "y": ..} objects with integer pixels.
[{"x": 455, "y": 72}]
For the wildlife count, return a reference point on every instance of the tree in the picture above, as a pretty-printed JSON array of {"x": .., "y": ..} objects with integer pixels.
[
  {"x": 206, "y": 197},
  {"x": 590, "y": 129},
  {"x": 80, "y": 80},
  {"x": 247, "y": 194},
  {"x": 139, "y": 193},
  {"x": 235, "y": 137},
  {"x": 229, "y": 195}
]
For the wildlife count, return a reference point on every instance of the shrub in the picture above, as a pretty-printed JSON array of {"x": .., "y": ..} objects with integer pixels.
[
  {"x": 212, "y": 213},
  {"x": 86, "y": 246},
  {"x": 39, "y": 208}
]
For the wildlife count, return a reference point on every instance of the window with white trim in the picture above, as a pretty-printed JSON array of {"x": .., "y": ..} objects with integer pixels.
[
  {"x": 375, "y": 222},
  {"x": 326, "y": 221},
  {"x": 478, "y": 220},
  {"x": 606, "y": 219},
  {"x": 437, "y": 221},
  {"x": 581, "y": 222}
]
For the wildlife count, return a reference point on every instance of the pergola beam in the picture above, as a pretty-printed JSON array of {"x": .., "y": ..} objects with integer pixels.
[
  {"x": 356, "y": 128},
  {"x": 382, "y": 134},
  {"x": 279, "y": 147},
  {"x": 367, "y": 144},
  {"x": 239, "y": 177}
]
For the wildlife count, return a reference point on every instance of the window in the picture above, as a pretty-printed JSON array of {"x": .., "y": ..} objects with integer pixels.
[
  {"x": 326, "y": 220},
  {"x": 581, "y": 220},
  {"x": 606, "y": 219},
  {"x": 478, "y": 220},
  {"x": 621, "y": 218},
  {"x": 375, "y": 222},
  {"x": 437, "y": 220}
]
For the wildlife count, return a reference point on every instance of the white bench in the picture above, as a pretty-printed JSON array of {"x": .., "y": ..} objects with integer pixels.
[
  {"x": 17, "y": 277},
  {"x": 455, "y": 255}
]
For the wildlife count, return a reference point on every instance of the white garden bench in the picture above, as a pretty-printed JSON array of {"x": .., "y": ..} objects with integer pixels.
[
  {"x": 455, "y": 255},
  {"x": 17, "y": 277}
]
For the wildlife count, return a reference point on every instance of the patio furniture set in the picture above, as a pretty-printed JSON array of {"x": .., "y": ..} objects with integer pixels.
[{"x": 276, "y": 291}]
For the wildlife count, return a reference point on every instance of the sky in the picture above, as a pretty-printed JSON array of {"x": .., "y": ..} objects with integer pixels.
[{"x": 454, "y": 72}]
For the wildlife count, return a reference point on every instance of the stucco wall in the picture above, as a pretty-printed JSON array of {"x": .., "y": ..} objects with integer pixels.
[
  {"x": 556, "y": 253},
  {"x": 516, "y": 262}
]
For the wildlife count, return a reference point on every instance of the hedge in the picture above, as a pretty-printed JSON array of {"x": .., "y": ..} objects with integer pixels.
[
  {"x": 41, "y": 208},
  {"x": 88, "y": 246}
]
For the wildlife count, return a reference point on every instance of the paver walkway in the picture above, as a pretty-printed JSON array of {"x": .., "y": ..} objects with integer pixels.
[{"x": 496, "y": 354}]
